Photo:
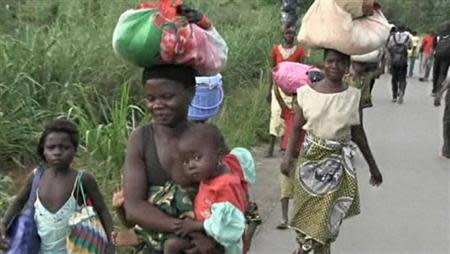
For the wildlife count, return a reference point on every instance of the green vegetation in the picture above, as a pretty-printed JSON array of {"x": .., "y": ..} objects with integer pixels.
[
  {"x": 419, "y": 15},
  {"x": 5, "y": 184},
  {"x": 57, "y": 61}
]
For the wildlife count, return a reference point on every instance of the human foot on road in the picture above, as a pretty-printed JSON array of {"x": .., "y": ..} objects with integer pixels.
[
  {"x": 269, "y": 154},
  {"x": 444, "y": 156},
  {"x": 283, "y": 225}
]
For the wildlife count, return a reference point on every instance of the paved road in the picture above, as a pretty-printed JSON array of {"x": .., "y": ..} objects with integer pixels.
[{"x": 410, "y": 212}]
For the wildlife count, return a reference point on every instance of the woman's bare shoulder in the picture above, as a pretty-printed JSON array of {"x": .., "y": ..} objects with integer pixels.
[{"x": 136, "y": 135}]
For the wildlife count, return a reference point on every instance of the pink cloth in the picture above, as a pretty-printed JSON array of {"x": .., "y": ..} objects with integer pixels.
[
  {"x": 204, "y": 49},
  {"x": 288, "y": 115},
  {"x": 290, "y": 76}
]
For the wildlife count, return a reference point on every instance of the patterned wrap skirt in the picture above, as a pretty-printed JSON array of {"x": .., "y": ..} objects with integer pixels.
[{"x": 325, "y": 192}]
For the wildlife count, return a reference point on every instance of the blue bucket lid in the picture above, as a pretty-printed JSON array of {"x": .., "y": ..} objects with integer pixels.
[
  {"x": 212, "y": 81},
  {"x": 197, "y": 112}
]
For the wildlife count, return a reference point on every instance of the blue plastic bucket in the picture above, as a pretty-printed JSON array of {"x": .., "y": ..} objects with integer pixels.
[{"x": 207, "y": 99}]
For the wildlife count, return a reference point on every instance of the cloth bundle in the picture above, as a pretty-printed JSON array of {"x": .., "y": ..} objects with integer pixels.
[
  {"x": 289, "y": 76},
  {"x": 371, "y": 57},
  {"x": 357, "y": 8},
  {"x": 328, "y": 25},
  {"x": 290, "y": 10},
  {"x": 168, "y": 32}
]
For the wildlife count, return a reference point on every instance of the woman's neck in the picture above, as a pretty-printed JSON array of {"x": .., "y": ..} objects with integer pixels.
[
  {"x": 287, "y": 45},
  {"x": 331, "y": 86},
  {"x": 175, "y": 129},
  {"x": 59, "y": 171}
]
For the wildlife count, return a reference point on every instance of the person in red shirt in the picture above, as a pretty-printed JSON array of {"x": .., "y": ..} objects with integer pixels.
[
  {"x": 427, "y": 54},
  {"x": 286, "y": 51}
]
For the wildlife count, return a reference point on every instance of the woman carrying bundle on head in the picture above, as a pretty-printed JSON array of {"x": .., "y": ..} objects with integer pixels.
[
  {"x": 162, "y": 164},
  {"x": 165, "y": 163},
  {"x": 152, "y": 160},
  {"x": 325, "y": 184}
]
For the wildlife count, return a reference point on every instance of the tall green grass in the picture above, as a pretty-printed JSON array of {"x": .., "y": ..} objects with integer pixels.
[
  {"x": 5, "y": 184},
  {"x": 104, "y": 144},
  {"x": 56, "y": 60}
]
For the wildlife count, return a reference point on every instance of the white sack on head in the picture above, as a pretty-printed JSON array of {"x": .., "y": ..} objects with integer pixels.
[{"x": 326, "y": 25}]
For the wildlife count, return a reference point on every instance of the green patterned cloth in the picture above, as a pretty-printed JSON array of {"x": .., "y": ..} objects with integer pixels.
[
  {"x": 252, "y": 214},
  {"x": 174, "y": 201},
  {"x": 325, "y": 192},
  {"x": 362, "y": 82}
]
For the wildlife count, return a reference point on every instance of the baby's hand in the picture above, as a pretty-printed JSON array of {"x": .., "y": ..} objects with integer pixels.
[
  {"x": 4, "y": 242},
  {"x": 187, "y": 226},
  {"x": 118, "y": 199}
]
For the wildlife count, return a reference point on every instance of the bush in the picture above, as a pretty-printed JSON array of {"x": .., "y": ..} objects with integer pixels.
[
  {"x": 58, "y": 62},
  {"x": 5, "y": 198}
]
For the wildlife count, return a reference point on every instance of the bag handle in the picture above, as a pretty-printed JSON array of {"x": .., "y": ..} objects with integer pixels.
[
  {"x": 395, "y": 40},
  {"x": 79, "y": 187},
  {"x": 399, "y": 44},
  {"x": 34, "y": 186}
]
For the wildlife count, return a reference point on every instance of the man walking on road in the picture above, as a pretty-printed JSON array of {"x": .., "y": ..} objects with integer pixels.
[
  {"x": 427, "y": 54},
  {"x": 441, "y": 60},
  {"x": 446, "y": 120},
  {"x": 398, "y": 45},
  {"x": 413, "y": 53}
]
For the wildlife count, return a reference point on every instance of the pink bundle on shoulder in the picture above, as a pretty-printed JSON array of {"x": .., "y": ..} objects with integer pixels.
[{"x": 290, "y": 76}]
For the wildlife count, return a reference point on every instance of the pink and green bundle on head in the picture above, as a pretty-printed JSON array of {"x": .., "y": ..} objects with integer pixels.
[
  {"x": 136, "y": 38},
  {"x": 289, "y": 76},
  {"x": 168, "y": 32}
]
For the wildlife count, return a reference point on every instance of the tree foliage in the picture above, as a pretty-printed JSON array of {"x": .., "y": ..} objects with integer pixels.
[{"x": 418, "y": 15}]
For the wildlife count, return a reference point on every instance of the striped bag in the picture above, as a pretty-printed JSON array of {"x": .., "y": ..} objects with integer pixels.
[{"x": 86, "y": 234}]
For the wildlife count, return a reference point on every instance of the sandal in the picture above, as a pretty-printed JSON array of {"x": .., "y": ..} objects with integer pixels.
[{"x": 283, "y": 225}]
